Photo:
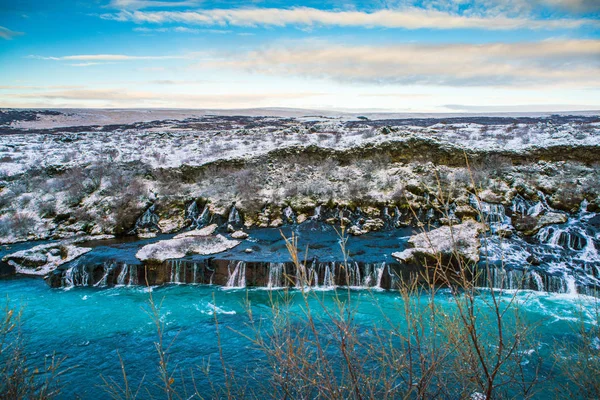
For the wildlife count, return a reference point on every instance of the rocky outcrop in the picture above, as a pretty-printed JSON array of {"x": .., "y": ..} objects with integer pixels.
[
  {"x": 447, "y": 243},
  {"x": 530, "y": 225},
  {"x": 183, "y": 246},
  {"x": 239, "y": 235},
  {"x": 42, "y": 259},
  {"x": 206, "y": 231}
]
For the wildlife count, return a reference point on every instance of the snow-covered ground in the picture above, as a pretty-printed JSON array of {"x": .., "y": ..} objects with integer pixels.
[
  {"x": 174, "y": 143},
  {"x": 56, "y": 182}
]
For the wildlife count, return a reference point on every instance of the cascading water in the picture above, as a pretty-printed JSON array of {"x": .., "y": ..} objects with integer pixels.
[
  {"x": 192, "y": 211},
  {"x": 76, "y": 275},
  {"x": 365, "y": 276},
  {"x": 289, "y": 215},
  {"x": 199, "y": 219},
  {"x": 494, "y": 214},
  {"x": 68, "y": 280},
  {"x": 317, "y": 214},
  {"x": 195, "y": 273},
  {"x": 177, "y": 268},
  {"x": 148, "y": 220},
  {"x": 539, "y": 283},
  {"x": 237, "y": 277},
  {"x": 570, "y": 285},
  {"x": 373, "y": 275},
  {"x": 530, "y": 208},
  {"x": 133, "y": 275},
  {"x": 123, "y": 275},
  {"x": 107, "y": 269},
  {"x": 353, "y": 274},
  {"x": 277, "y": 276},
  {"x": 564, "y": 255},
  {"x": 329, "y": 276},
  {"x": 234, "y": 216}
]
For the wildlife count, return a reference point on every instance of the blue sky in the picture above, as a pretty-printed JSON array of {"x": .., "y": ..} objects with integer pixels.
[{"x": 421, "y": 56}]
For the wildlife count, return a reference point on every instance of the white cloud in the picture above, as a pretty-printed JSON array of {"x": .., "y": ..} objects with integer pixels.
[
  {"x": 30, "y": 87},
  {"x": 139, "y": 4},
  {"x": 180, "y": 29},
  {"x": 105, "y": 57},
  {"x": 574, "y": 5},
  {"x": 409, "y": 18},
  {"x": 120, "y": 97},
  {"x": 520, "y": 108},
  {"x": 574, "y": 63},
  {"x": 7, "y": 34}
]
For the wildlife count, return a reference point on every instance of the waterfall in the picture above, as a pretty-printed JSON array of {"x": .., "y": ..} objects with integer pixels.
[
  {"x": 308, "y": 276},
  {"x": 387, "y": 218},
  {"x": 569, "y": 285},
  {"x": 85, "y": 277},
  {"x": 276, "y": 276},
  {"x": 176, "y": 271},
  {"x": 133, "y": 275},
  {"x": 195, "y": 273},
  {"x": 514, "y": 279},
  {"x": 148, "y": 219},
  {"x": 329, "y": 276},
  {"x": 317, "y": 214},
  {"x": 353, "y": 274},
  {"x": 204, "y": 217},
  {"x": 373, "y": 275},
  {"x": 539, "y": 282},
  {"x": 234, "y": 216},
  {"x": 76, "y": 275},
  {"x": 524, "y": 207},
  {"x": 573, "y": 238},
  {"x": 362, "y": 276},
  {"x": 122, "y": 275},
  {"x": 380, "y": 270},
  {"x": 590, "y": 253},
  {"x": 396, "y": 217},
  {"x": 289, "y": 215},
  {"x": 493, "y": 213},
  {"x": 237, "y": 277},
  {"x": 108, "y": 267},
  {"x": 68, "y": 280},
  {"x": 300, "y": 271},
  {"x": 192, "y": 211}
]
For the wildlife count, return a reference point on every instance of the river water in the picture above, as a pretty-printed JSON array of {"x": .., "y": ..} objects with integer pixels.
[{"x": 91, "y": 327}]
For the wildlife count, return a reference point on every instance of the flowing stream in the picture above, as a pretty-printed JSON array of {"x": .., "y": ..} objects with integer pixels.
[{"x": 92, "y": 327}]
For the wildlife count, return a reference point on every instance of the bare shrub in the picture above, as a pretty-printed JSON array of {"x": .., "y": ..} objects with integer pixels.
[
  {"x": 18, "y": 224},
  {"x": 399, "y": 195},
  {"x": 328, "y": 167},
  {"x": 128, "y": 206},
  {"x": 580, "y": 360},
  {"x": 369, "y": 133},
  {"x": 358, "y": 189},
  {"x": 19, "y": 379}
]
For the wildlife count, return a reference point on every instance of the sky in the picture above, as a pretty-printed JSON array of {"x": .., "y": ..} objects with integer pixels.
[{"x": 378, "y": 55}]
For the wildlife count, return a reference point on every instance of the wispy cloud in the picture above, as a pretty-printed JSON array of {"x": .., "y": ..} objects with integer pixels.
[
  {"x": 175, "y": 82},
  {"x": 519, "y": 108},
  {"x": 8, "y": 34},
  {"x": 571, "y": 5},
  {"x": 573, "y": 63},
  {"x": 130, "y": 98},
  {"x": 30, "y": 87},
  {"x": 408, "y": 18},
  {"x": 140, "y": 4},
  {"x": 86, "y": 64},
  {"x": 180, "y": 29},
  {"x": 105, "y": 57}
]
